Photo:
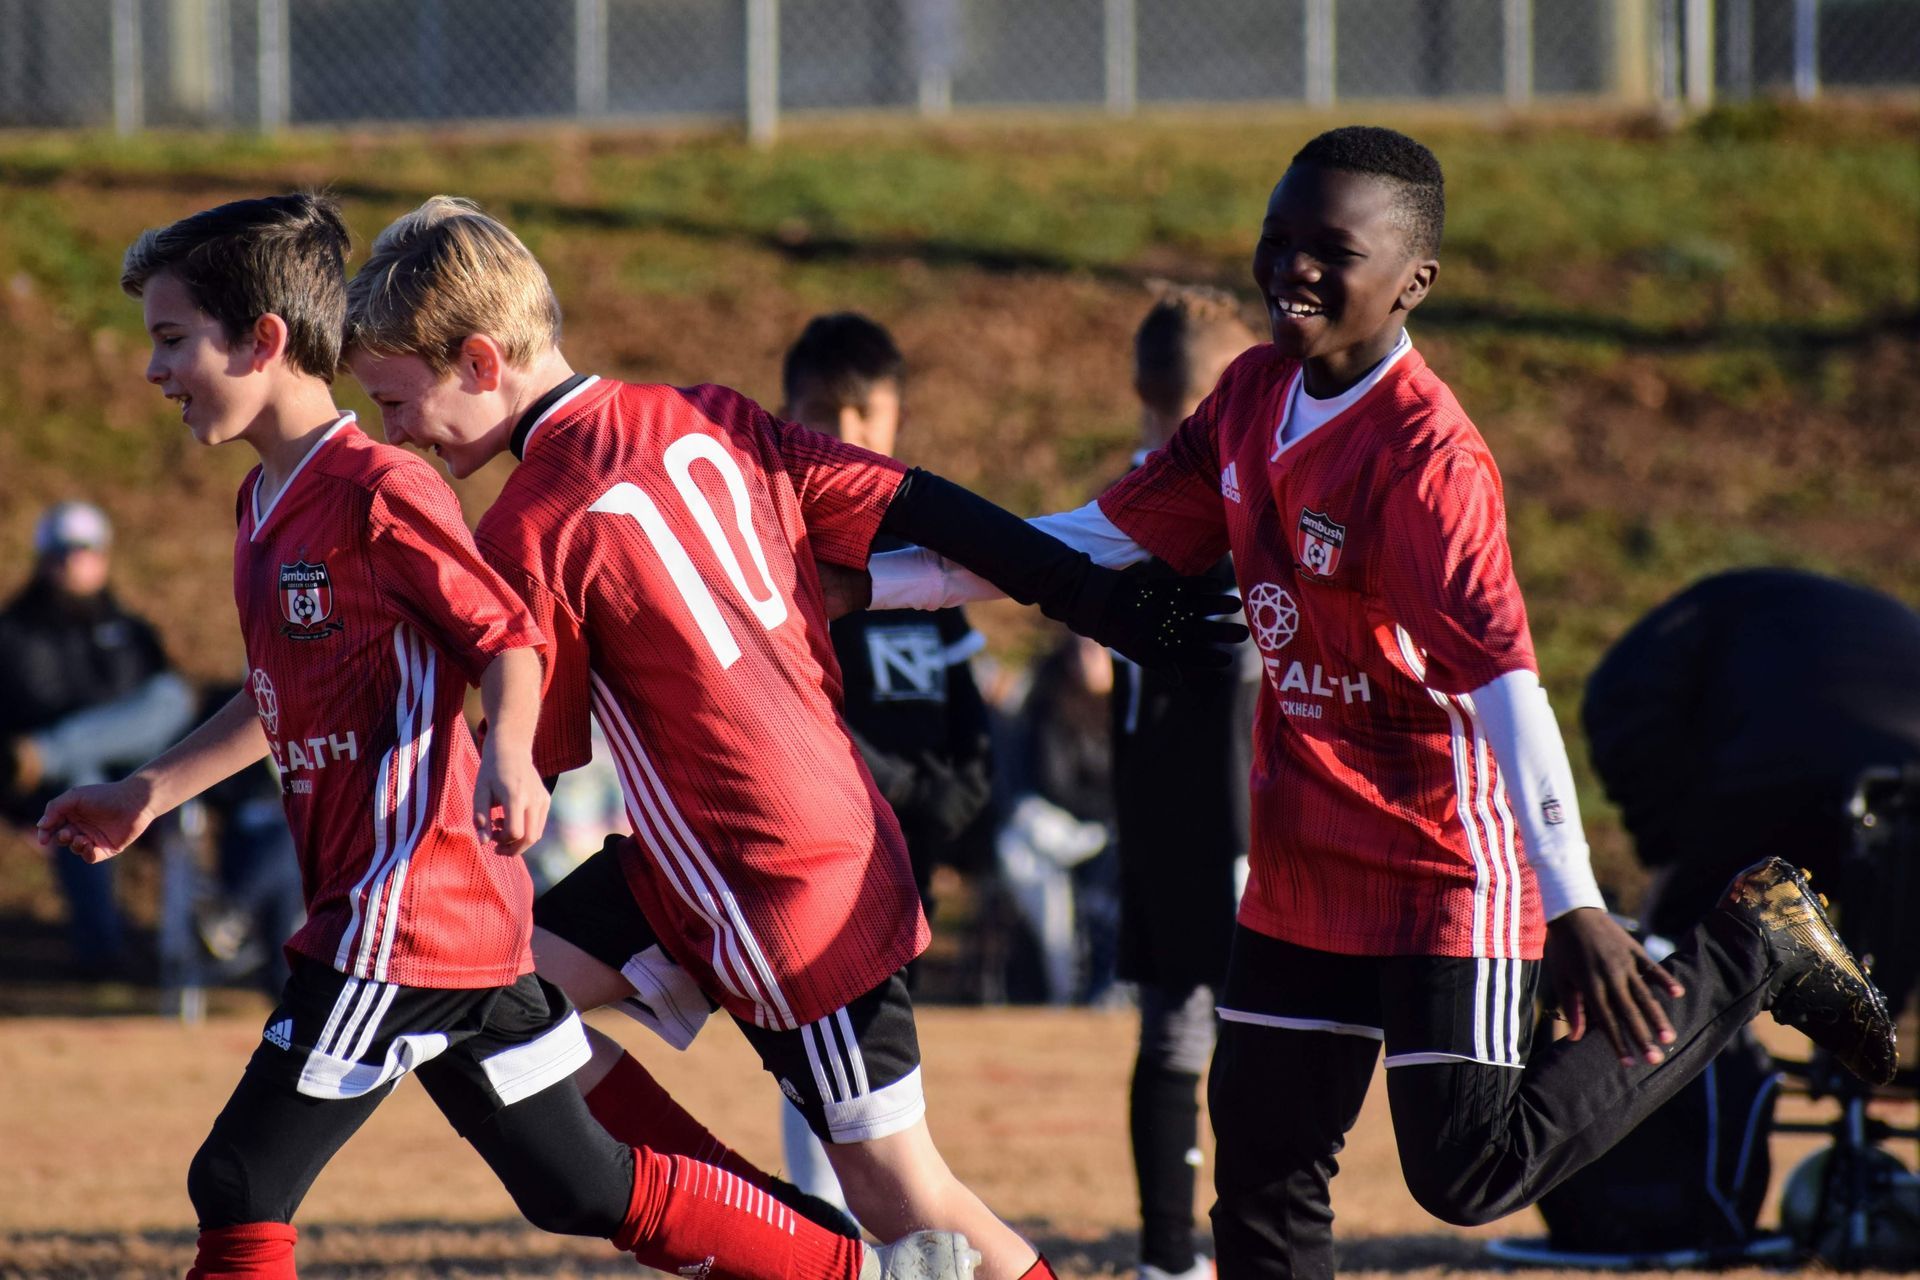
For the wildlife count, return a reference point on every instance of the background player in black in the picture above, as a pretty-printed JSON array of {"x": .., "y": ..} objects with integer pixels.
[
  {"x": 912, "y": 707},
  {"x": 1181, "y": 753},
  {"x": 1735, "y": 720}
]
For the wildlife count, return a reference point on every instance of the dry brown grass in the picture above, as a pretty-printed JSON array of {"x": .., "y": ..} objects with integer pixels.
[{"x": 100, "y": 1118}]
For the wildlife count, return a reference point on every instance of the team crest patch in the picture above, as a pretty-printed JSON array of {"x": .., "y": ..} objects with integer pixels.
[
  {"x": 306, "y": 601},
  {"x": 1320, "y": 543}
]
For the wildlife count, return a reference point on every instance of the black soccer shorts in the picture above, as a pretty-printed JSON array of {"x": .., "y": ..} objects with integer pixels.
[
  {"x": 854, "y": 1074},
  {"x": 479, "y": 1051},
  {"x": 1423, "y": 1008}
]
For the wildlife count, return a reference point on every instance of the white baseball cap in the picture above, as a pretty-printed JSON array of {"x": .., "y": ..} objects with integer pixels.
[{"x": 68, "y": 526}]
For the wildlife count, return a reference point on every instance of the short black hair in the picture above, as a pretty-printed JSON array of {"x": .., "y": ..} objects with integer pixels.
[
  {"x": 280, "y": 255},
  {"x": 1384, "y": 153},
  {"x": 844, "y": 355}
]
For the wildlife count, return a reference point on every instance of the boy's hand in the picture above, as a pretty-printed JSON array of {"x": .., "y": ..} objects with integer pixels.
[
  {"x": 847, "y": 590},
  {"x": 509, "y": 799},
  {"x": 98, "y": 821},
  {"x": 1158, "y": 622},
  {"x": 1601, "y": 973}
]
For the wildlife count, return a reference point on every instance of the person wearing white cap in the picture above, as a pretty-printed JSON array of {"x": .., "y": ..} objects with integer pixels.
[{"x": 85, "y": 688}]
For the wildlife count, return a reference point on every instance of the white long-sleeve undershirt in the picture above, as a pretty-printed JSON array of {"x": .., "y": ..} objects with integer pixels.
[{"x": 1512, "y": 710}]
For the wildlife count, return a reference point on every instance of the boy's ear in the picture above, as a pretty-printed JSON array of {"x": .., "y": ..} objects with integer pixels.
[
  {"x": 481, "y": 363},
  {"x": 1419, "y": 281},
  {"x": 270, "y": 335}
]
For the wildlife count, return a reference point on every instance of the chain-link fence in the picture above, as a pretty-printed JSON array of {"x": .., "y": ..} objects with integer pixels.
[{"x": 268, "y": 63}]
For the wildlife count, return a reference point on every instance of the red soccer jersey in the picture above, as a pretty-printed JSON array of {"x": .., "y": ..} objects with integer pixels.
[
  {"x": 1372, "y": 555},
  {"x": 367, "y": 612},
  {"x": 665, "y": 539}
]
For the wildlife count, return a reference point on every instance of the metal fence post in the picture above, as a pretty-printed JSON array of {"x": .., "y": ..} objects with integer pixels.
[
  {"x": 1806, "y": 49},
  {"x": 590, "y": 57},
  {"x": 1632, "y": 47},
  {"x": 1320, "y": 53},
  {"x": 1517, "y": 45},
  {"x": 1123, "y": 71},
  {"x": 274, "y": 63},
  {"x": 129, "y": 80},
  {"x": 1699, "y": 61},
  {"x": 763, "y": 70},
  {"x": 1740, "y": 48}
]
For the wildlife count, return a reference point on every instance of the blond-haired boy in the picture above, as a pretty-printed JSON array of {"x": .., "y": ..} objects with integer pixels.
[{"x": 666, "y": 539}]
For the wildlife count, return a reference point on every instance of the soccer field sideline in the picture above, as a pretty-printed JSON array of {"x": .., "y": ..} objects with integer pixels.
[{"x": 1029, "y": 1105}]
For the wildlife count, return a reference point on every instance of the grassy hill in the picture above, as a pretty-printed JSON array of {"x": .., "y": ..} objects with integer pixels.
[{"x": 1690, "y": 347}]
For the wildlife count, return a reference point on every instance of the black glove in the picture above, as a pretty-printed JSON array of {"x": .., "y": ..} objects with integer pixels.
[{"x": 1158, "y": 622}]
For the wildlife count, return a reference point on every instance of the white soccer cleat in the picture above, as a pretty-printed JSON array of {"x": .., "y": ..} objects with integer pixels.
[{"x": 924, "y": 1255}]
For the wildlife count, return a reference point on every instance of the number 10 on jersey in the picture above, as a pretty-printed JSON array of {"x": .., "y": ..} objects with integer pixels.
[{"x": 625, "y": 499}]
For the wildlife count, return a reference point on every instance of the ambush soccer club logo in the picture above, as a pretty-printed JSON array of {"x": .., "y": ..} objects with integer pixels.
[
  {"x": 1320, "y": 543},
  {"x": 306, "y": 601}
]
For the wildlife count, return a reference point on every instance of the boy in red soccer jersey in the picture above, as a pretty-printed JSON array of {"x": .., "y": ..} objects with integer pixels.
[
  {"x": 666, "y": 538},
  {"x": 1415, "y": 837},
  {"x": 366, "y": 612}
]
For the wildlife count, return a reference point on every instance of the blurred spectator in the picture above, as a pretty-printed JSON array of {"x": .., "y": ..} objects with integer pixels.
[
  {"x": 85, "y": 693},
  {"x": 911, "y": 705},
  {"x": 1182, "y": 749},
  {"x": 1055, "y": 848}
]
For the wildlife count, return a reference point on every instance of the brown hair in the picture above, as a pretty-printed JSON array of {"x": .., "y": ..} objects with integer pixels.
[
  {"x": 1186, "y": 324},
  {"x": 279, "y": 255},
  {"x": 443, "y": 273}
]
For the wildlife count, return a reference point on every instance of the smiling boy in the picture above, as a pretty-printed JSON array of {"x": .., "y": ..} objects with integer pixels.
[{"x": 1415, "y": 835}]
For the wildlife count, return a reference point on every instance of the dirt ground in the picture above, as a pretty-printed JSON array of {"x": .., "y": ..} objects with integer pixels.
[{"x": 100, "y": 1116}]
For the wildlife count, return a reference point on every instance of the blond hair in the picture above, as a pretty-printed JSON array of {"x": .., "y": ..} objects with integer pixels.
[
  {"x": 1186, "y": 325},
  {"x": 443, "y": 273}
]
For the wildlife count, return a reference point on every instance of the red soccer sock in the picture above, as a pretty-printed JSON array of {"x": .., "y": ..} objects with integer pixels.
[
  {"x": 251, "y": 1250},
  {"x": 692, "y": 1219},
  {"x": 630, "y": 1104},
  {"x": 1040, "y": 1270}
]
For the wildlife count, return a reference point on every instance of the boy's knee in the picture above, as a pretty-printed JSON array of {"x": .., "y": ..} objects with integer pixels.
[
  {"x": 1446, "y": 1189},
  {"x": 219, "y": 1185}
]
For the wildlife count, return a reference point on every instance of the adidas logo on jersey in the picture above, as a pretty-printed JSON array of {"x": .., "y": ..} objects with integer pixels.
[
  {"x": 1230, "y": 482},
  {"x": 280, "y": 1034}
]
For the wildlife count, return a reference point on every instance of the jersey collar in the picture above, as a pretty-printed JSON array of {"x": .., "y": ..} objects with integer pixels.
[
  {"x": 545, "y": 407},
  {"x": 260, "y": 515}
]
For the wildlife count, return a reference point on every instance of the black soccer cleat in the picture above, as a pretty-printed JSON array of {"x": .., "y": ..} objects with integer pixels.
[{"x": 1820, "y": 990}]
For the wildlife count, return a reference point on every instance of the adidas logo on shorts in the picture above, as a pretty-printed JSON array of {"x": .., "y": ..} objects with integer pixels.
[{"x": 280, "y": 1034}]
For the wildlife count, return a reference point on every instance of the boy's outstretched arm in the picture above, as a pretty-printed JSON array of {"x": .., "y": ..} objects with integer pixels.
[
  {"x": 101, "y": 820},
  {"x": 508, "y": 781},
  {"x": 1155, "y": 622}
]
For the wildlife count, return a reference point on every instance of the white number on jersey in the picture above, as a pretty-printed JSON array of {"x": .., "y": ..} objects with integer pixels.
[{"x": 626, "y": 499}]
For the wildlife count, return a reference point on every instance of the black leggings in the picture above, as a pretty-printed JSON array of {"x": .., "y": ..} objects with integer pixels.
[
  {"x": 1476, "y": 1141},
  {"x": 269, "y": 1143}
]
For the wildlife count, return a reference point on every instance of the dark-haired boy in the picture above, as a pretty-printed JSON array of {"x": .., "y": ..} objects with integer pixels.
[
  {"x": 366, "y": 611},
  {"x": 667, "y": 539},
  {"x": 910, "y": 702},
  {"x": 1405, "y": 761},
  {"x": 1180, "y": 761}
]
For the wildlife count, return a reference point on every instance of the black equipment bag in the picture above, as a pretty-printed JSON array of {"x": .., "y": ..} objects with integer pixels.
[{"x": 1692, "y": 1176}]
